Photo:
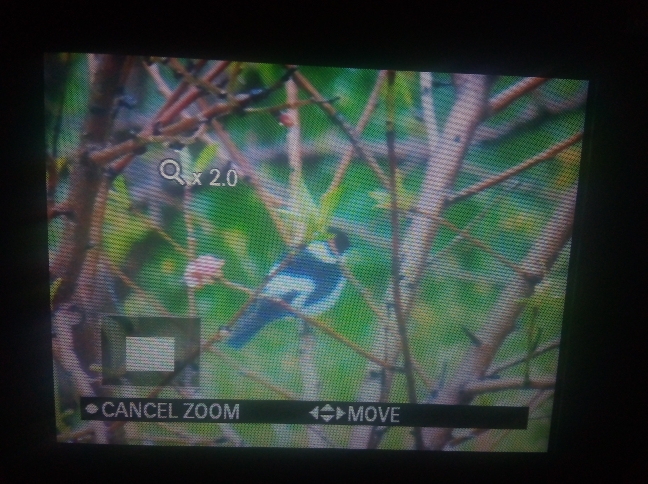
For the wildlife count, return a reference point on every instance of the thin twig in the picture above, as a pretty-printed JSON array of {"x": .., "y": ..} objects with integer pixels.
[
  {"x": 129, "y": 282},
  {"x": 548, "y": 154},
  {"x": 312, "y": 321},
  {"x": 506, "y": 97},
  {"x": 339, "y": 121},
  {"x": 440, "y": 175},
  {"x": 180, "y": 89},
  {"x": 167, "y": 93},
  {"x": 503, "y": 316},
  {"x": 168, "y": 114},
  {"x": 396, "y": 270},
  {"x": 370, "y": 107},
  {"x": 505, "y": 365},
  {"x": 307, "y": 343},
  {"x": 161, "y": 232},
  {"x": 295, "y": 180},
  {"x": 513, "y": 383},
  {"x": 471, "y": 225},
  {"x": 101, "y": 157},
  {"x": 288, "y": 395}
]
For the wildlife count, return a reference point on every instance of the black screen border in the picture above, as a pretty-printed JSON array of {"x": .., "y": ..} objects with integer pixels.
[{"x": 606, "y": 203}]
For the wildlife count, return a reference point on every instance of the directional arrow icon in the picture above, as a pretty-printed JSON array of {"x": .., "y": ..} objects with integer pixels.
[
  {"x": 327, "y": 408},
  {"x": 327, "y": 417},
  {"x": 315, "y": 413},
  {"x": 339, "y": 413}
]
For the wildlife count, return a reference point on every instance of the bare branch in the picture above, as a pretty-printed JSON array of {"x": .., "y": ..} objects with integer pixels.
[
  {"x": 468, "y": 227},
  {"x": 86, "y": 178},
  {"x": 502, "y": 317},
  {"x": 440, "y": 175},
  {"x": 170, "y": 110},
  {"x": 506, "y": 97},
  {"x": 167, "y": 93},
  {"x": 151, "y": 225},
  {"x": 525, "y": 165},
  {"x": 429, "y": 116},
  {"x": 180, "y": 89},
  {"x": 348, "y": 130},
  {"x": 362, "y": 124},
  {"x": 129, "y": 282},
  {"x": 396, "y": 264},
  {"x": 288, "y": 395},
  {"x": 295, "y": 180},
  {"x": 505, "y": 365},
  {"x": 101, "y": 157},
  {"x": 501, "y": 384},
  {"x": 307, "y": 364}
]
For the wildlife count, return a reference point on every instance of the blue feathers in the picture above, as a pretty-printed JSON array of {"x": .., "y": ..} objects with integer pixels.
[
  {"x": 253, "y": 320},
  {"x": 311, "y": 282}
]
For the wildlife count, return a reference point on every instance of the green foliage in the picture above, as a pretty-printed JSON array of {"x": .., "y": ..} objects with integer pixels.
[{"x": 122, "y": 228}]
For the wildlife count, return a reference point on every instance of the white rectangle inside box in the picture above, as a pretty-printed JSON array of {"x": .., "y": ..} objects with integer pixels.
[{"x": 150, "y": 354}]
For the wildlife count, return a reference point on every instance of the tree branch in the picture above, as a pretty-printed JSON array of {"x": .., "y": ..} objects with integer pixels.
[
  {"x": 507, "y": 96},
  {"x": 440, "y": 175},
  {"x": 169, "y": 110},
  {"x": 396, "y": 272},
  {"x": 288, "y": 395},
  {"x": 101, "y": 157},
  {"x": 429, "y": 116},
  {"x": 501, "y": 320},
  {"x": 85, "y": 177},
  {"x": 167, "y": 93},
  {"x": 339, "y": 121},
  {"x": 514, "y": 383},
  {"x": 525, "y": 165},
  {"x": 505, "y": 365},
  {"x": 372, "y": 102}
]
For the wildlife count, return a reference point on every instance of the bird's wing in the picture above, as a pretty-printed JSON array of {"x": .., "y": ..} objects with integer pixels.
[
  {"x": 254, "y": 318},
  {"x": 289, "y": 288}
]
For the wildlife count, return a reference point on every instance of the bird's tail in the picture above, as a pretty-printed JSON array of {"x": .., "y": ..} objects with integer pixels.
[{"x": 252, "y": 321}]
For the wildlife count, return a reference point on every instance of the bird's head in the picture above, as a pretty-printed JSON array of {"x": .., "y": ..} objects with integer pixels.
[{"x": 339, "y": 242}]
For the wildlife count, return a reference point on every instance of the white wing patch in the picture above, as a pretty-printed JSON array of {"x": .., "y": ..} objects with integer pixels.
[
  {"x": 322, "y": 251},
  {"x": 326, "y": 303},
  {"x": 283, "y": 284}
]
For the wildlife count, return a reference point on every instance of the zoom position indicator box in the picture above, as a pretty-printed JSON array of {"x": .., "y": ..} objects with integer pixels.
[
  {"x": 150, "y": 350},
  {"x": 150, "y": 354}
]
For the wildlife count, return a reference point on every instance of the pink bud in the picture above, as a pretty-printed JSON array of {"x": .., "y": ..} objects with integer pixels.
[
  {"x": 203, "y": 270},
  {"x": 286, "y": 119}
]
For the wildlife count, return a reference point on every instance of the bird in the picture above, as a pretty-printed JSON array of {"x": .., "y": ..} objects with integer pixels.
[{"x": 311, "y": 282}]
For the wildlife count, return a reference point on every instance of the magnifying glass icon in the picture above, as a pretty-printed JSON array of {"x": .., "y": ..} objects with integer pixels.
[{"x": 175, "y": 172}]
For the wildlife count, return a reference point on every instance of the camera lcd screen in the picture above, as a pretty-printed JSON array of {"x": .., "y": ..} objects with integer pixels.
[{"x": 267, "y": 255}]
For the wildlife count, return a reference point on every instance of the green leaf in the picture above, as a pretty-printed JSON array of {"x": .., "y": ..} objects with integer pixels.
[
  {"x": 53, "y": 289},
  {"x": 119, "y": 185},
  {"x": 121, "y": 228},
  {"x": 206, "y": 156},
  {"x": 328, "y": 203}
]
